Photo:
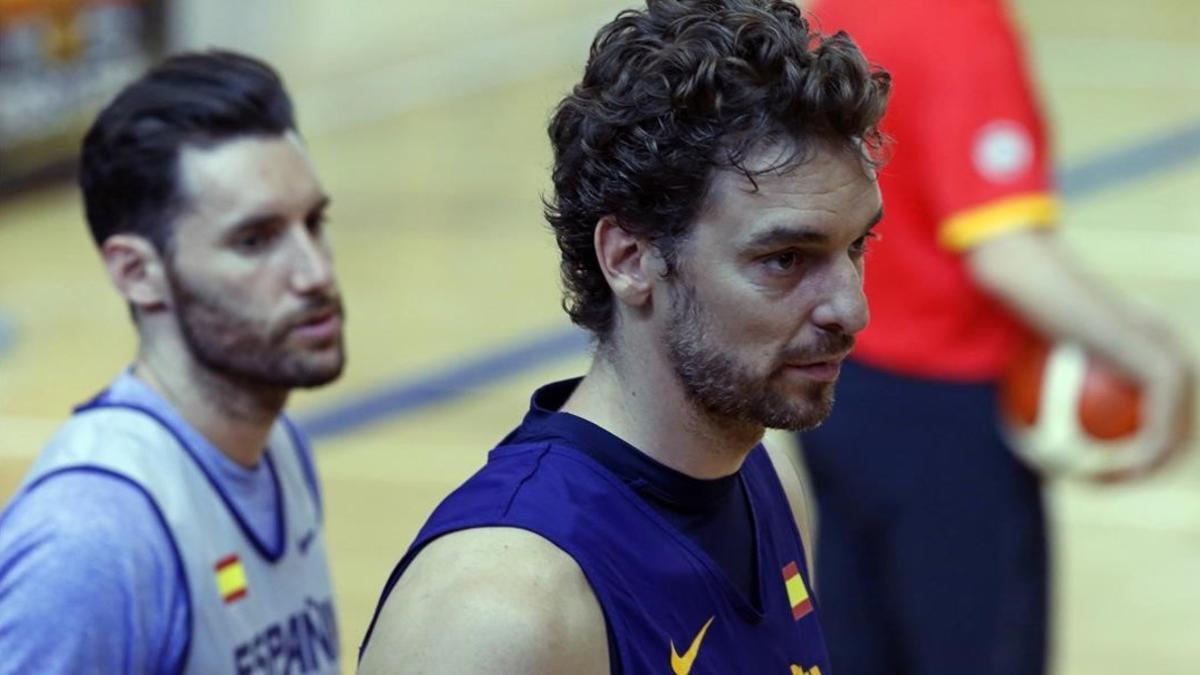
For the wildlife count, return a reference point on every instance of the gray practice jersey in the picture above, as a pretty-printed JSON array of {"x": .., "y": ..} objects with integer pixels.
[{"x": 252, "y": 609}]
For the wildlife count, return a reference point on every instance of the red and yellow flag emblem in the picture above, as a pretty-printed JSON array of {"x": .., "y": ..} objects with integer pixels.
[
  {"x": 797, "y": 593},
  {"x": 231, "y": 578}
]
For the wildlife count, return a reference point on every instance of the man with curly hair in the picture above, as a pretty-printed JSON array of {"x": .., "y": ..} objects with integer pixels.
[
  {"x": 714, "y": 193},
  {"x": 932, "y": 551}
]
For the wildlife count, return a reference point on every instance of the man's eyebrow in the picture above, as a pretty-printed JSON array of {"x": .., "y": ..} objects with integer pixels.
[
  {"x": 780, "y": 235},
  {"x": 795, "y": 234},
  {"x": 255, "y": 221},
  {"x": 271, "y": 218}
]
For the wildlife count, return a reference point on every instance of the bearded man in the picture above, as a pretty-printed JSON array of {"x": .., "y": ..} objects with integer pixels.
[
  {"x": 173, "y": 524},
  {"x": 714, "y": 195}
]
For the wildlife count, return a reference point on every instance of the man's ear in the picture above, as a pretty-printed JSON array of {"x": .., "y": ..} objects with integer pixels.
[
  {"x": 137, "y": 270},
  {"x": 629, "y": 262}
]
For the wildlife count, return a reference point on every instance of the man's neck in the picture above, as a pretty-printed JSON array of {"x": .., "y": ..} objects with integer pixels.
[
  {"x": 234, "y": 416},
  {"x": 642, "y": 402}
]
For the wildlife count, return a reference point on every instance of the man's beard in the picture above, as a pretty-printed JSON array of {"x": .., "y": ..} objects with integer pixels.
[
  {"x": 727, "y": 389},
  {"x": 247, "y": 350}
]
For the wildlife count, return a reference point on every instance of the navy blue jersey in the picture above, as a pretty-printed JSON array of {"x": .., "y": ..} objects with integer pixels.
[{"x": 668, "y": 606}]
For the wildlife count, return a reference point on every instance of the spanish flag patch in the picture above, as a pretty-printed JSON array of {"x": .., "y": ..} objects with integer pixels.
[
  {"x": 231, "y": 578},
  {"x": 797, "y": 593}
]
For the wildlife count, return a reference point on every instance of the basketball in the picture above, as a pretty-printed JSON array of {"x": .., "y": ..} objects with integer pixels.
[{"x": 1066, "y": 409}]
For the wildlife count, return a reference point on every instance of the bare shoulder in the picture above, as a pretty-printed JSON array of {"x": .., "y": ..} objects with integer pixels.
[{"x": 497, "y": 600}]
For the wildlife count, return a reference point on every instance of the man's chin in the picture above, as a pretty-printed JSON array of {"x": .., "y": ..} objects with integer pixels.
[
  {"x": 315, "y": 374},
  {"x": 298, "y": 372},
  {"x": 316, "y": 380},
  {"x": 807, "y": 411},
  {"x": 801, "y": 422}
]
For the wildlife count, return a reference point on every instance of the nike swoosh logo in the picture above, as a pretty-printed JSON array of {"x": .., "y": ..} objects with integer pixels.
[
  {"x": 682, "y": 665},
  {"x": 307, "y": 541}
]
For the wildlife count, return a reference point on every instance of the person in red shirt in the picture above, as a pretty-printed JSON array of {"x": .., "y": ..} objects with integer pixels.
[{"x": 931, "y": 553}]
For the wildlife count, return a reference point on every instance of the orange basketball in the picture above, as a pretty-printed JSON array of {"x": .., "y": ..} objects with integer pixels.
[{"x": 1062, "y": 380}]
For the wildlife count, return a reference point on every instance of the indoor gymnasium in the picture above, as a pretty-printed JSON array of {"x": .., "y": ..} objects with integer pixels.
[{"x": 426, "y": 122}]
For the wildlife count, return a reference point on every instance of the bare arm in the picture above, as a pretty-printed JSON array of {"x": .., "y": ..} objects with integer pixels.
[
  {"x": 494, "y": 600},
  {"x": 1030, "y": 272}
]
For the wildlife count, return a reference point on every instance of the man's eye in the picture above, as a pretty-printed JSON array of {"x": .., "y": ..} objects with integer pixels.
[
  {"x": 782, "y": 262},
  {"x": 862, "y": 244},
  {"x": 252, "y": 241},
  {"x": 317, "y": 223}
]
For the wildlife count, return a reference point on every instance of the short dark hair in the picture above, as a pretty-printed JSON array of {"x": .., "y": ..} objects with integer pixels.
[
  {"x": 129, "y": 162},
  {"x": 677, "y": 90}
]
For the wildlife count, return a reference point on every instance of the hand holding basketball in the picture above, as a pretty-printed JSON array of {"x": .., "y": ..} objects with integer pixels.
[{"x": 1070, "y": 413}]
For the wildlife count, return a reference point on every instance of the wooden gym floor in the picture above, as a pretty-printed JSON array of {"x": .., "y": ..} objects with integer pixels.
[{"x": 426, "y": 121}]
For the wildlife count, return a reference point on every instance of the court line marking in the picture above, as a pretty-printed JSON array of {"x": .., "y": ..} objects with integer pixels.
[
  {"x": 1085, "y": 179},
  {"x": 1123, "y": 165},
  {"x": 444, "y": 385},
  {"x": 8, "y": 332}
]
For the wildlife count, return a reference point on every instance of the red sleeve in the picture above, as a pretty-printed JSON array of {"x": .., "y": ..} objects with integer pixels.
[{"x": 983, "y": 156}]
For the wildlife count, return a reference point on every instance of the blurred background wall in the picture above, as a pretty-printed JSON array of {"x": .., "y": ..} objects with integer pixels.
[{"x": 426, "y": 121}]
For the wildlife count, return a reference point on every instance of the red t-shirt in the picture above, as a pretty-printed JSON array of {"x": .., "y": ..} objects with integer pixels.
[{"x": 969, "y": 161}]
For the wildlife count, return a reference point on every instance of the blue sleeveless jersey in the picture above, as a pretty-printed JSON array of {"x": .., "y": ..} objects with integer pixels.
[{"x": 668, "y": 607}]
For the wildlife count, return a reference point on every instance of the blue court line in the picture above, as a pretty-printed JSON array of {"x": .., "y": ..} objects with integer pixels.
[
  {"x": 1097, "y": 174},
  {"x": 1136, "y": 162},
  {"x": 8, "y": 333},
  {"x": 444, "y": 385}
]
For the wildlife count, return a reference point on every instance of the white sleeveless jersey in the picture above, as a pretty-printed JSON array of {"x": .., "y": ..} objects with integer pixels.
[{"x": 252, "y": 610}]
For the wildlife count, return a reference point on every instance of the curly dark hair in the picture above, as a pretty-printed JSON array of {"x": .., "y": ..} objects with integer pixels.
[{"x": 676, "y": 91}]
